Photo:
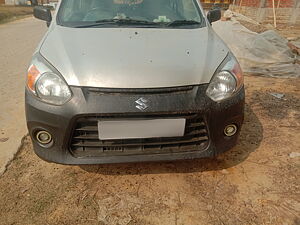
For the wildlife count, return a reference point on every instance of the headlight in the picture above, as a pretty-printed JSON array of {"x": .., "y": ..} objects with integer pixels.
[
  {"x": 227, "y": 80},
  {"x": 46, "y": 83},
  {"x": 52, "y": 89}
]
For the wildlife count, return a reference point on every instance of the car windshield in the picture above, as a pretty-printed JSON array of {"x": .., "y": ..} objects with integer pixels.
[{"x": 94, "y": 13}]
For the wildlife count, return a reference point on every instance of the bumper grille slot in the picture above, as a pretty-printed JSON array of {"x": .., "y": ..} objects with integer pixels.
[
  {"x": 85, "y": 141},
  {"x": 139, "y": 90}
]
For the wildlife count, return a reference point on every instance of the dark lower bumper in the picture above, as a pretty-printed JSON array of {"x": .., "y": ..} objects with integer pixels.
[{"x": 60, "y": 121}]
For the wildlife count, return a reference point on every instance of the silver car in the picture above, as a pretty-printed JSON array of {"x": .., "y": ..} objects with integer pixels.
[{"x": 132, "y": 80}]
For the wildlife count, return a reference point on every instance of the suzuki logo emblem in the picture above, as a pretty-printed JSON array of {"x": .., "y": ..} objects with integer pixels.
[{"x": 142, "y": 104}]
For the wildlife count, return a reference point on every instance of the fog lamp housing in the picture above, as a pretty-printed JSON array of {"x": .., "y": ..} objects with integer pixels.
[
  {"x": 230, "y": 130},
  {"x": 44, "y": 138}
]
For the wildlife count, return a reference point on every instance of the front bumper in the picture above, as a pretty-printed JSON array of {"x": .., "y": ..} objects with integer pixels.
[{"x": 61, "y": 121}]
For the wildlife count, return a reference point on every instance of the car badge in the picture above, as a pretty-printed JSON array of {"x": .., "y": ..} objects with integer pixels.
[{"x": 142, "y": 103}]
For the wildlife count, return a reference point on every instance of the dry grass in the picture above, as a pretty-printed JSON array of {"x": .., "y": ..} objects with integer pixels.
[{"x": 9, "y": 13}]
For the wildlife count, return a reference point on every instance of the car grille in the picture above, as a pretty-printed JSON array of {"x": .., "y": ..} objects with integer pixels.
[
  {"x": 145, "y": 91},
  {"x": 85, "y": 141}
]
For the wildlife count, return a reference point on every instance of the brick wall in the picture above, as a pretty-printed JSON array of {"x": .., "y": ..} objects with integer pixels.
[
  {"x": 209, "y": 3},
  {"x": 249, "y": 3},
  {"x": 288, "y": 11},
  {"x": 282, "y": 3},
  {"x": 266, "y": 3},
  {"x": 217, "y": 1}
]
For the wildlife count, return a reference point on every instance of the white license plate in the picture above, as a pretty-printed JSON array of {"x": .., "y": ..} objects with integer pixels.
[{"x": 129, "y": 129}]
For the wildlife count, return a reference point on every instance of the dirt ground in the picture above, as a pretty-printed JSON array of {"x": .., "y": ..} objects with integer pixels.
[
  {"x": 257, "y": 182},
  {"x": 18, "y": 40}
]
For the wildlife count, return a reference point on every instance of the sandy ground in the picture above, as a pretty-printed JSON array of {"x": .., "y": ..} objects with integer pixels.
[
  {"x": 17, "y": 42},
  {"x": 257, "y": 182}
]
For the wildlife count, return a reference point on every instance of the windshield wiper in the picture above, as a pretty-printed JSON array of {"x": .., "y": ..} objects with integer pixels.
[
  {"x": 117, "y": 21},
  {"x": 95, "y": 24},
  {"x": 182, "y": 23},
  {"x": 134, "y": 21},
  {"x": 129, "y": 21}
]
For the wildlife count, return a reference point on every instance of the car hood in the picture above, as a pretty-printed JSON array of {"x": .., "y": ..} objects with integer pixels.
[{"x": 134, "y": 57}]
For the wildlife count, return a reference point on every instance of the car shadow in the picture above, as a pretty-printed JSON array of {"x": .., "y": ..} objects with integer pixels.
[{"x": 250, "y": 138}]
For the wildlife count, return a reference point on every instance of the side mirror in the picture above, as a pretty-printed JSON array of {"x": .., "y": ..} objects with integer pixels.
[
  {"x": 214, "y": 15},
  {"x": 43, "y": 13}
]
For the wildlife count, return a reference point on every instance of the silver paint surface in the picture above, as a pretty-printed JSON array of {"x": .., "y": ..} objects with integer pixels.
[{"x": 133, "y": 57}]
